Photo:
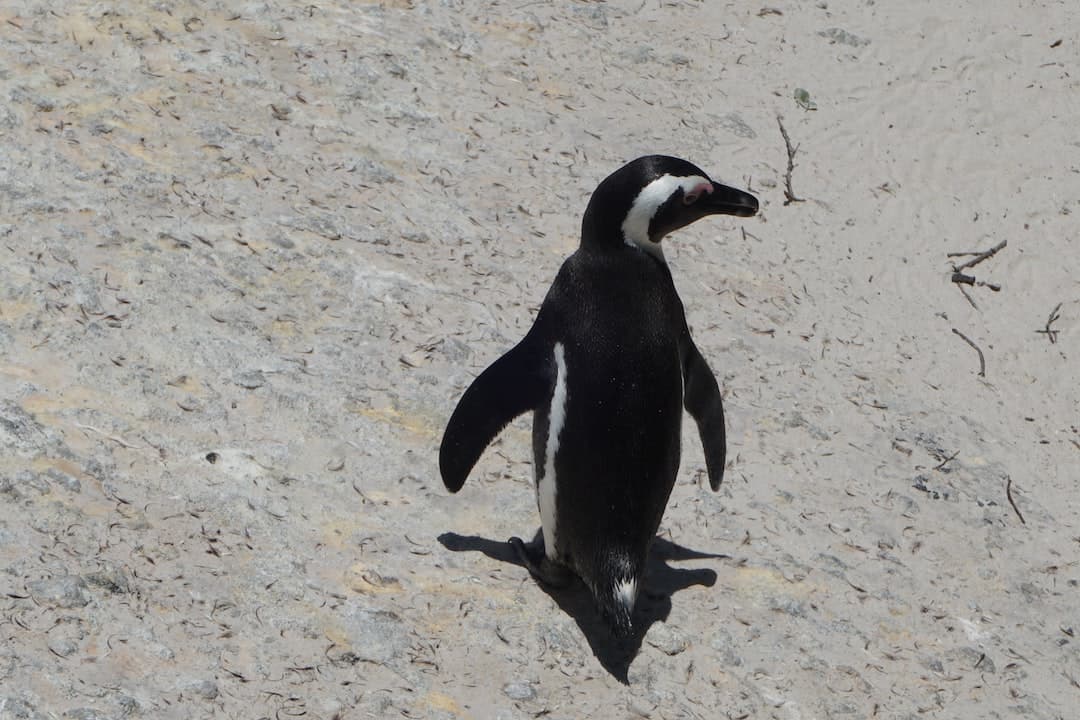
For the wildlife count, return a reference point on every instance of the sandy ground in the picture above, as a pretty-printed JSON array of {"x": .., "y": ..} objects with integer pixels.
[{"x": 253, "y": 252}]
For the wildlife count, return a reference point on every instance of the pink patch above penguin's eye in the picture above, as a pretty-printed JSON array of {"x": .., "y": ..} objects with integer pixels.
[{"x": 702, "y": 189}]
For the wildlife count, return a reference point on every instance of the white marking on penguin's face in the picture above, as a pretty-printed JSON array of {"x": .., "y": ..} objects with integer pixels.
[
  {"x": 652, "y": 197},
  {"x": 546, "y": 487}
]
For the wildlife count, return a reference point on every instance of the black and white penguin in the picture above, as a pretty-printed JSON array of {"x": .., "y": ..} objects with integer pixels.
[{"x": 607, "y": 368}]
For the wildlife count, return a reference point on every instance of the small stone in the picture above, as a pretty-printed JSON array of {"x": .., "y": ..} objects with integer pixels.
[
  {"x": 83, "y": 714},
  {"x": 843, "y": 37},
  {"x": 934, "y": 665},
  {"x": 414, "y": 359},
  {"x": 162, "y": 651},
  {"x": 26, "y": 483},
  {"x": 733, "y": 123},
  {"x": 250, "y": 380},
  {"x": 725, "y": 645},
  {"x": 331, "y": 707},
  {"x": 114, "y": 580},
  {"x": 12, "y": 708},
  {"x": 787, "y": 605},
  {"x": 9, "y": 120},
  {"x": 206, "y": 689},
  {"x": 973, "y": 658},
  {"x": 126, "y": 704},
  {"x": 519, "y": 690},
  {"x": 376, "y": 636},
  {"x": 189, "y": 403},
  {"x": 372, "y": 171},
  {"x": 63, "y": 647},
  {"x": 456, "y": 351},
  {"x": 66, "y": 591},
  {"x": 1031, "y": 592},
  {"x": 639, "y": 54},
  {"x": 667, "y": 639},
  {"x": 64, "y": 480}
]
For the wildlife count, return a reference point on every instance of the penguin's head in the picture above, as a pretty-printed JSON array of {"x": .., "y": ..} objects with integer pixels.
[{"x": 644, "y": 200}]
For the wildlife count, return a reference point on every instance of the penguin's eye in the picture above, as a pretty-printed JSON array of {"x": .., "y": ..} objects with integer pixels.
[{"x": 690, "y": 198}]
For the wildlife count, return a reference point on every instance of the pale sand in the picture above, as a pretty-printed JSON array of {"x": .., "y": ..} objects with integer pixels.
[{"x": 284, "y": 238}]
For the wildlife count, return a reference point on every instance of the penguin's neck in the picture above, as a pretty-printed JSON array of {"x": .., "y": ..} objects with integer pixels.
[{"x": 614, "y": 239}]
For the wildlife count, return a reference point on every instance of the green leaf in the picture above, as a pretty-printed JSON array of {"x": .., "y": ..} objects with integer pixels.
[{"x": 802, "y": 97}]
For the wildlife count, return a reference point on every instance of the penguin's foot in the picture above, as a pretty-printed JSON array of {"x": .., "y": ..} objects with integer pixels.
[{"x": 540, "y": 566}]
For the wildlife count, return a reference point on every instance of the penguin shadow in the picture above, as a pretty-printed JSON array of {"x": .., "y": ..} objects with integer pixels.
[{"x": 662, "y": 581}]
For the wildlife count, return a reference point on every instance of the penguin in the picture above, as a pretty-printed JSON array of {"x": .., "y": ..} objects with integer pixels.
[{"x": 607, "y": 368}]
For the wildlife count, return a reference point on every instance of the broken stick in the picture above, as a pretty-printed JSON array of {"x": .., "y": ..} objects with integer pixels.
[
  {"x": 982, "y": 360},
  {"x": 789, "y": 194},
  {"x": 961, "y": 279},
  {"x": 1051, "y": 334},
  {"x": 1008, "y": 494},
  {"x": 979, "y": 256}
]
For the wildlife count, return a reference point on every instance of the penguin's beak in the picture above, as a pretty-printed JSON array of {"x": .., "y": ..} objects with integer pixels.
[{"x": 724, "y": 200}]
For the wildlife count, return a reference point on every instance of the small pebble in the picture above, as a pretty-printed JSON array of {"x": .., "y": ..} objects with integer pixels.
[
  {"x": 519, "y": 691},
  {"x": 66, "y": 591},
  {"x": 64, "y": 480},
  {"x": 250, "y": 380},
  {"x": 63, "y": 647},
  {"x": 83, "y": 714},
  {"x": 206, "y": 689},
  {"x": 839, "y": 35},
  {"x": 667, "y": 639},
  {"x": 113, "y": 580}
]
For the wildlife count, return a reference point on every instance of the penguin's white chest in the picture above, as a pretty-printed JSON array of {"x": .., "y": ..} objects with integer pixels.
[{"x": 546, "y": 487}]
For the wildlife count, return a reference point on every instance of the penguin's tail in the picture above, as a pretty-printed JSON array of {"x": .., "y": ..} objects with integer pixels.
[{"x": 617, "y": 592}]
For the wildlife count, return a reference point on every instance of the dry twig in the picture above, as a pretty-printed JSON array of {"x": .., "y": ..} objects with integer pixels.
[
  {"x": 115, "y": 438},
  {"x": 982, "y": 360},
  {"x": 1008, "y": 494},
  {"x": 1051, "y": 334},
  {"x": 979, "y": 256},
  {"x": 946, "y": 461},
  {"x": 961, "y": 279},
  {"x": 966, "y": 296},
  {"x": 789, "y": 194}
]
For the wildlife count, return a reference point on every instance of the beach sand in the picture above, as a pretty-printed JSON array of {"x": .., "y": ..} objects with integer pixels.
[{"x": 252, "y": 253}]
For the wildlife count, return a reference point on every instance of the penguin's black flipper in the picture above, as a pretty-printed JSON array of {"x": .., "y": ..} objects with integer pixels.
[
  {"x": 701, "y": 398},
  {"x": 515, "y": 383}
]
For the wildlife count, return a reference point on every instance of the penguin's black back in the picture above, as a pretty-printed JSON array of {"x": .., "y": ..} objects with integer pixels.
[{"x": 619, "y": 319}]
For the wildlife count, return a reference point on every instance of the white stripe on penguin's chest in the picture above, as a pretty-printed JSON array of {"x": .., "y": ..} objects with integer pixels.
[{"x": 545, "y": 488}]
